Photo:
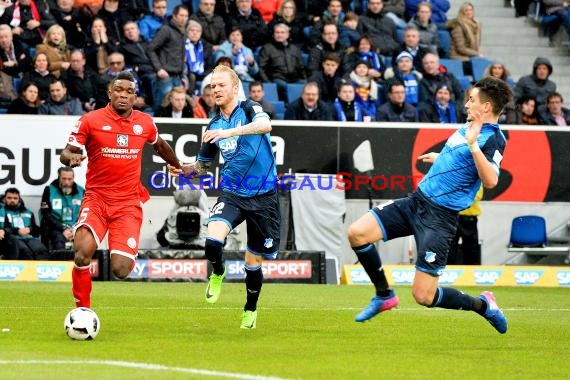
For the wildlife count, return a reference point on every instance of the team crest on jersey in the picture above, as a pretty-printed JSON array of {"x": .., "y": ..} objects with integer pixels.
[
  {"x": 122, "y": 140},
  {"x": 137, "y": 129}
]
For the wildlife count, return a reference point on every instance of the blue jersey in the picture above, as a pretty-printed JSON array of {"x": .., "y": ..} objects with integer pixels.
[
  {"x": 249, "y": 165},
  {"x": 453, "y": 181}
]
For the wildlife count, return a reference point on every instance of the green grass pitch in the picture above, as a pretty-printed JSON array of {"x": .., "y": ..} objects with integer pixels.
[{"x": 167, "y": 331}]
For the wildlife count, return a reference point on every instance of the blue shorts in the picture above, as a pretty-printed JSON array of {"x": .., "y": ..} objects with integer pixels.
[
  {"x": 432, "y": 225},
  {"x": 262, "y": 215}
]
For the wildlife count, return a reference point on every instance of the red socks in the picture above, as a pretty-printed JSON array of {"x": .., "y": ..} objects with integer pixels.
[{"x": 81, "y": 279}]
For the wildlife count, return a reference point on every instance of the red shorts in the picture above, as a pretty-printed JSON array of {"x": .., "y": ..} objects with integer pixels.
[{"x": 122, "y": 221}]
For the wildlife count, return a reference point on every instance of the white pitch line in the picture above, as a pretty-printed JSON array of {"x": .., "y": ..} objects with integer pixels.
[{"x": 147, "y": 366}]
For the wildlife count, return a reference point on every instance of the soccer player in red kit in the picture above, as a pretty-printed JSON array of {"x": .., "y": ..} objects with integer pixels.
[{"x": 114, "y": 138}]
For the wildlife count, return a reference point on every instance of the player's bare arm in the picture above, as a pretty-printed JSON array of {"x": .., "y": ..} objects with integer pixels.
[
  {"x": 165, "y": 151},
  {"x": 428, "y": 158},
  {"x": 259, "y": 126},
  {"x": 71, "y": 156},
  {"x": 197, "y": 168}
]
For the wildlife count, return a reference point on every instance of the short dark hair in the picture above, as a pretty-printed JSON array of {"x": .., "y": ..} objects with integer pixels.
[
  {"x": 64, "y": 169},
  {"x": 256, "y": 83},
  {"x": 495, "y": 91},
  {"x": 554, "y": 95},
  {"x": 126, "y": 75},
  {"x": 394, "y": 84},
  {"x": 12, "y": 190}
]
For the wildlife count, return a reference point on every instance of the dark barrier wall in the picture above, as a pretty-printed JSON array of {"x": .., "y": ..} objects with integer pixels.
[{"x": 535, "y": 168}]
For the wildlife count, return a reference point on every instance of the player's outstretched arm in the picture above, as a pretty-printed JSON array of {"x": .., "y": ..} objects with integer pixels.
[
  {"x": 196, "y": 169},
  {"x": 165, "y": 151},
  {"x": 71, "y": 156},
  {"x": 259, "y": 126}
]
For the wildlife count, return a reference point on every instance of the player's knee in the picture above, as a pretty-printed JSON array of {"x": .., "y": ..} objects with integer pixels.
[
  {"x": 213, "y": 249},
  {"x": 121, "y": 271},
  {"x": 422, "y": 296},
  {"x": 356, "y": 236}
]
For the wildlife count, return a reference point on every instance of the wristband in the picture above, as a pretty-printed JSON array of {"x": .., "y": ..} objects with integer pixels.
[{"x": 473, "y": 147}]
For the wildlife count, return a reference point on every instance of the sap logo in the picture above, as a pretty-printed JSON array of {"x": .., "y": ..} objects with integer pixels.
[
  {"x": 486, "y": 277},
  {"x": 140, "y": 269},
  {"x": 49, "y": 272},
  {"x": 403, "y": 276},
  {"x": 10, "y": 271},
  {"x": 449, "y": 277},
  {"x": 359, "y": 276},
  {"x": 527, "y": 277},
  {"x": 563, "y": 277},
  {"x": 228, "y": 145}
]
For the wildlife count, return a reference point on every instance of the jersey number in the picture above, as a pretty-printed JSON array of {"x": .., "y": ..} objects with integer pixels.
[
  {"x": 83, "y": 215},
  {"x": 217, "y": 209}
]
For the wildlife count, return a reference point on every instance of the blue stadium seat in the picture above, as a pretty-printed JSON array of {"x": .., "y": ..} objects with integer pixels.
[
  {"x": 279, "y": 110},
  {"x": 444, "y": 43},
  {"x": 453, "y": 66},
  {"x": 270, "y": 91},
  {"x": 387, "y": 60},
  {"x": 478, "y": 67},
  {"x": 17, "y": 83},
  {"x": 305, "y": 59},
  {"x": 294, "y": 91},
  {"x": 464, "y": 81},
  {"x": 3, "y": 110},
  {"x": 245, "y": 86},
  {"x": 528, "y": 231}
]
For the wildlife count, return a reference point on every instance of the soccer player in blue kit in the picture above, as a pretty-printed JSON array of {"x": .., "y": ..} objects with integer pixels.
[
  {"x": 471, "y": 156},
  {"x": 240, "y": 132}
]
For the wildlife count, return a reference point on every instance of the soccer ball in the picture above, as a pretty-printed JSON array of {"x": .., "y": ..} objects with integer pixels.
[{"x": 82, "y": 324}]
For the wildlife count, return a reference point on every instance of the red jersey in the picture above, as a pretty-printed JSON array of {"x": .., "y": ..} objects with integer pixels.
[{"x": 114, "y": 147}]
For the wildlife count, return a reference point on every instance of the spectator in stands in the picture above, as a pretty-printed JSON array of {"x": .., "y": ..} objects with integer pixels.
[
  {"x": 441, "y": 110},
  {"x": 266, "y": 8},
  {"x": 525, "y": 112},
  {"x": 114, "y": 19},
  {"x": 7, "y": 92},
  {"x": 287, "y": 14},
  {"x": 40, "y": 75},
  {"x": 176, "y": 105},
  {"x": 333, "y": 14},
  {"x": 396, "y": 108},
  {"x": 257, "y": 94},
  {"x": 8, "y": 242},
  {"x": 59, "y": 102},
  {"x": 205, "y": 104},
  {"x": 561, "y": 11},
  {"x": 91, "y": 6},
  {"x": 61, "y": 202},
  {"x": 29, "y": 19},
  {"x": 367, "y": 90},
  {"x": 28, "y": 103},
  {"x": 208, "y": 78},
  {"x": 328, "y": 44},
  {"x": 380, "y": 27},
  {"x": 328, "y": 78},
  {"x": 99, "y": 47},
  {"x": 81, "y": 81},
  {"x": 56, "y": 49},
  {"x": 167, "y": 53},
  {"x": 555, "y": 113},
  {"x": 244, "y": 63},
  {"x": 198, "y": 55},
  {"x": 213, "y": 25},
  {"x": 135, "y": 50},
  {"x": 412, "y": 45},
  {"x": 404, "y": 72},
  {"x": 308, "y": 106},
  {"x": 465, "y": 35},
  {"x": 537, "y": 84},
  {"x": 395, "y": 10},
  {"x": 74, "y": 21},
  {"x": 364, "y": 50},
  {"x": 498, "y": 69},
  {"x": 428, "y": 31},
  {"x": 435, "y": 74},
  {"x": 280, "y": 61},
  {"x": 249, "y": 20},
  {"x": 149, "y": 24},
  {"x": 135, "y": 8},
  {"x": 349, "y": 33},
  {"x": 23, "y": 226},
  {"x": 439, "y": 9},
  {"x": 14, "y": 57},
  {"x": 345, "y": 108}
]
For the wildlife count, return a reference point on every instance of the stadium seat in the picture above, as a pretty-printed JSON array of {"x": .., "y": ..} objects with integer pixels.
[
  {"x": 305, "y": 59},
  {"x": 245, "y": 86},
  {"x": 478, "y": 67},
  {"x": 294, "y": 91},
  {"x": 453, "y": 66},
  {"x": 464, "y": 81},
  {"x": 387, "y": 60},
  {"x": 279, "y": 110},
  {"x": 270, "y": 91},
  {"x": 444, "y": 44},
  {"x": 528, "y": 231},
  {"x": 17, "y": 83}
]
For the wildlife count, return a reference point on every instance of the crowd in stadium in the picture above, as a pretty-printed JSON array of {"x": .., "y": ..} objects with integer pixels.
[{"x": 375, "y": 60}]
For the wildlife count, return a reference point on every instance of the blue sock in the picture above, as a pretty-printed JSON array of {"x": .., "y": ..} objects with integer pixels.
[
  {"x": 370, "y": 259},
  {"x": 450, "y": 298}
]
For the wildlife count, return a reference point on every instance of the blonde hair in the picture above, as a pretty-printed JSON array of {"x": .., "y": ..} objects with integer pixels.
[
  {"x": 177, "y": 90},
  {"x": 280, "y": 9},
  {"x": 462, "y": 8},
  {"x": 225, "y": 69},
  {"x": 56, "y": 28}
]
